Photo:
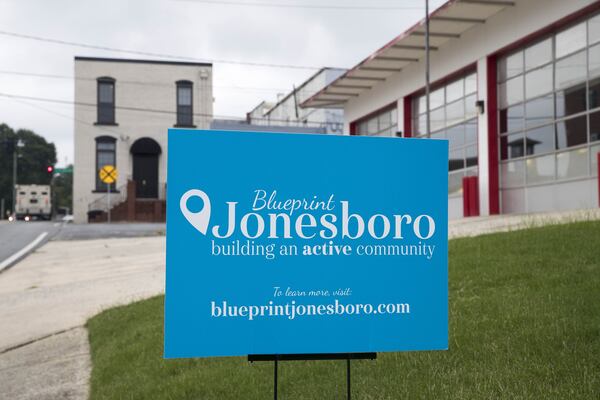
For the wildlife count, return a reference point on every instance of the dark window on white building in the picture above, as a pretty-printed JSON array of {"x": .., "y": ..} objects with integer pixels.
[
  {"x": 106, "y": 154},
  {"x": 185, "y": 103},
  {"x": 106, "y": 101}
]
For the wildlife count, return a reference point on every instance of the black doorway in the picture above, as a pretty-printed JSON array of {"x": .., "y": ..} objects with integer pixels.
[{"x": 145, "y": 154}]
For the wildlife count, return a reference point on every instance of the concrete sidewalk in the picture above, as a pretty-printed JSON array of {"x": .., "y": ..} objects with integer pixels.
[
  {"x": 475, "y": 226},
  {"x": 56, "y": 367},
  {"x": 46, "y": 299}
]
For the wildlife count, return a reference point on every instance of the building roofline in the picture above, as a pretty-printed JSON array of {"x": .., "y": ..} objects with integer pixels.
[
  {"x": 257, "y": 106},
  {"x": 381, "y": 49},
  {"x": 141, "y": 61},
  {"x": 408, "y": 32},
  {"x": 306, "y": 82}
]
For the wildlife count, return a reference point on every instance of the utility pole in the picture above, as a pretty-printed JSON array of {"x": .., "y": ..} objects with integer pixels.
[
  {"x": 108, "y": 202},
  {"x": 14, "y": 191},
  {"x": 427, "y": 119},
  {"x": 295, "y": 103},
  {"x": 17, "y": 144}
]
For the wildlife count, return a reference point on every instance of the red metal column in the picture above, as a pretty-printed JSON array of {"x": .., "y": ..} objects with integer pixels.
[
  {"x": 470, "y": 186},
  {"x": 492, "y": 111},
  {"x": 407, "y": 123},
  {"x": 473, "y": 196},
  {"x": 466, "y": 197}
]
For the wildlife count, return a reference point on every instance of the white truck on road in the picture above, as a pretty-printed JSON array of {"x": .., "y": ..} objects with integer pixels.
[{"x": 33, "y": 201}]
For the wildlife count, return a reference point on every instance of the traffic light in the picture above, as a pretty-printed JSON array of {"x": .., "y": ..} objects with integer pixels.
[{"x": 50, "y": 169}]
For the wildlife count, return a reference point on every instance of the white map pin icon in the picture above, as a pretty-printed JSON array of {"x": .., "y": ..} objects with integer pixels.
[{"x": 199, "y": 220}]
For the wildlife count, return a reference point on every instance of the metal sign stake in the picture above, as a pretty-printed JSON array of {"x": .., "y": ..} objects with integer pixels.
[
  {"x": 311, "y": 357},
  {"x": 348, "y": 380},
  {"x": 275, "y": 380},
  {"x": 108, "y": 201}
]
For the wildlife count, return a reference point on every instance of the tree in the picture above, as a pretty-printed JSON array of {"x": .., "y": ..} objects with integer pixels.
[
  {"x": 63, "y": 189},
  {"x": 33, "y": 160}
]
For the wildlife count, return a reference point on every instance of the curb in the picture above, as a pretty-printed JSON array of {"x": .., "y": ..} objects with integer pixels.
[{"x": 20, "y": 254}]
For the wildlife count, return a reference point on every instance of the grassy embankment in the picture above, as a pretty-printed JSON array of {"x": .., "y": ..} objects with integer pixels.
[{"x": 524, "y": 324}]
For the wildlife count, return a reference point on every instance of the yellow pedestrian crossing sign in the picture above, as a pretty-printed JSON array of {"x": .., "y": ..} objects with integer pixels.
[{"x": 108, "y": 174}]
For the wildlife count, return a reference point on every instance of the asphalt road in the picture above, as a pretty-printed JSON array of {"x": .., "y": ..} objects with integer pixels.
[
  {"x": 18, "y": 236},
  {"x": 114, "y": 230},
  {"x": 15, "y": 236}
]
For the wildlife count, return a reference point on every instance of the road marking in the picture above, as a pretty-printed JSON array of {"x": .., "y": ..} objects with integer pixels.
[
  {"x": 6, "y": 263},
  {"x": 56, "y": 223}
]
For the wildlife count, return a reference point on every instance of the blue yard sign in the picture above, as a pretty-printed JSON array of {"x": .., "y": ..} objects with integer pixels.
[{"x": 295, "y": 244}]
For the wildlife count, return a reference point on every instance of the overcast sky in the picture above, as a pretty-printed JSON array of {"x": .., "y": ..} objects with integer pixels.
[{"x": 192, "y": 28}]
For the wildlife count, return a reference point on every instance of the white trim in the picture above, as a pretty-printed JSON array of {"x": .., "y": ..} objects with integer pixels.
[
  {"x": 482, "y": 139},
  {"x": 10, "y": 260}
]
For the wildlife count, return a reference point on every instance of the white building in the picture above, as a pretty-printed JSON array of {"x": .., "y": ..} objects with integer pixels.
[
  {"x": 123, "y": 109},
  {"x": 515, "y": 90},
  {"x": 257, "y": 114},
  {"x": 287, "y": 111}
]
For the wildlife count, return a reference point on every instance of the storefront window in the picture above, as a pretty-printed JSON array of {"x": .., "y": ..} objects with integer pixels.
[
  {"x": 511, "y": 118},
  {"x": 512, "y": 146},
  {"x": 548, "y": 100},
  {"x": 456, "y": 159},
  {"x": 594, "y": 29},
  {"x": 538, "y": 54},
  {"x": 453, "y": 116},
  {"x": 572, "y": 164},
  {"x": 456, "y": 136},
  {"x": 594, "y": 150},
  {"x": 436, "y": 99},
  {"x": 455, "y": 112},
  {"x": 513, "y": 174},
  {"x": 570, "y": 101},
  {"x": 437, "y": 119},
  {"x": 511, "y": 91},
  {"x": 381, "y": 124},
  {"x": 471, "y": 131},
  {"x": 471, "y": 84},
  {"x": 540, "y": 140},
  {"x": 455, "y": 182},
  {"x": 594, "y": 61},
  {"x": 510, "y": 66},
  {"x": 571, "y": 132},
  {"x": 471, "y": 156},
  {"x": 539, "y": 111},
  {"x": 570, "y": 40},
  {"x": 594, "y": 126},
  {"x": 540, "y": 169},
  {"x": 571, "y": 70},
  {"x": 455, "y": 91},
  {"x": 538, "y": 82}
]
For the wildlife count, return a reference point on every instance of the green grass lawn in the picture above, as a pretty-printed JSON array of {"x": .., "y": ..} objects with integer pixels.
[{"x": 524, "y": 324}]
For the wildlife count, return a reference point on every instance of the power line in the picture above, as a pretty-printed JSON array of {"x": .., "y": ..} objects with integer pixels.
[
  {"x": 151, "y": 54},
  {"x": 67, "y": 77},
  {"x": 64, "y": 116},
  {"x": 139, "y": 109},
  {"x": 152, "y": 84},
  {"x": 307, "y": 6}
]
